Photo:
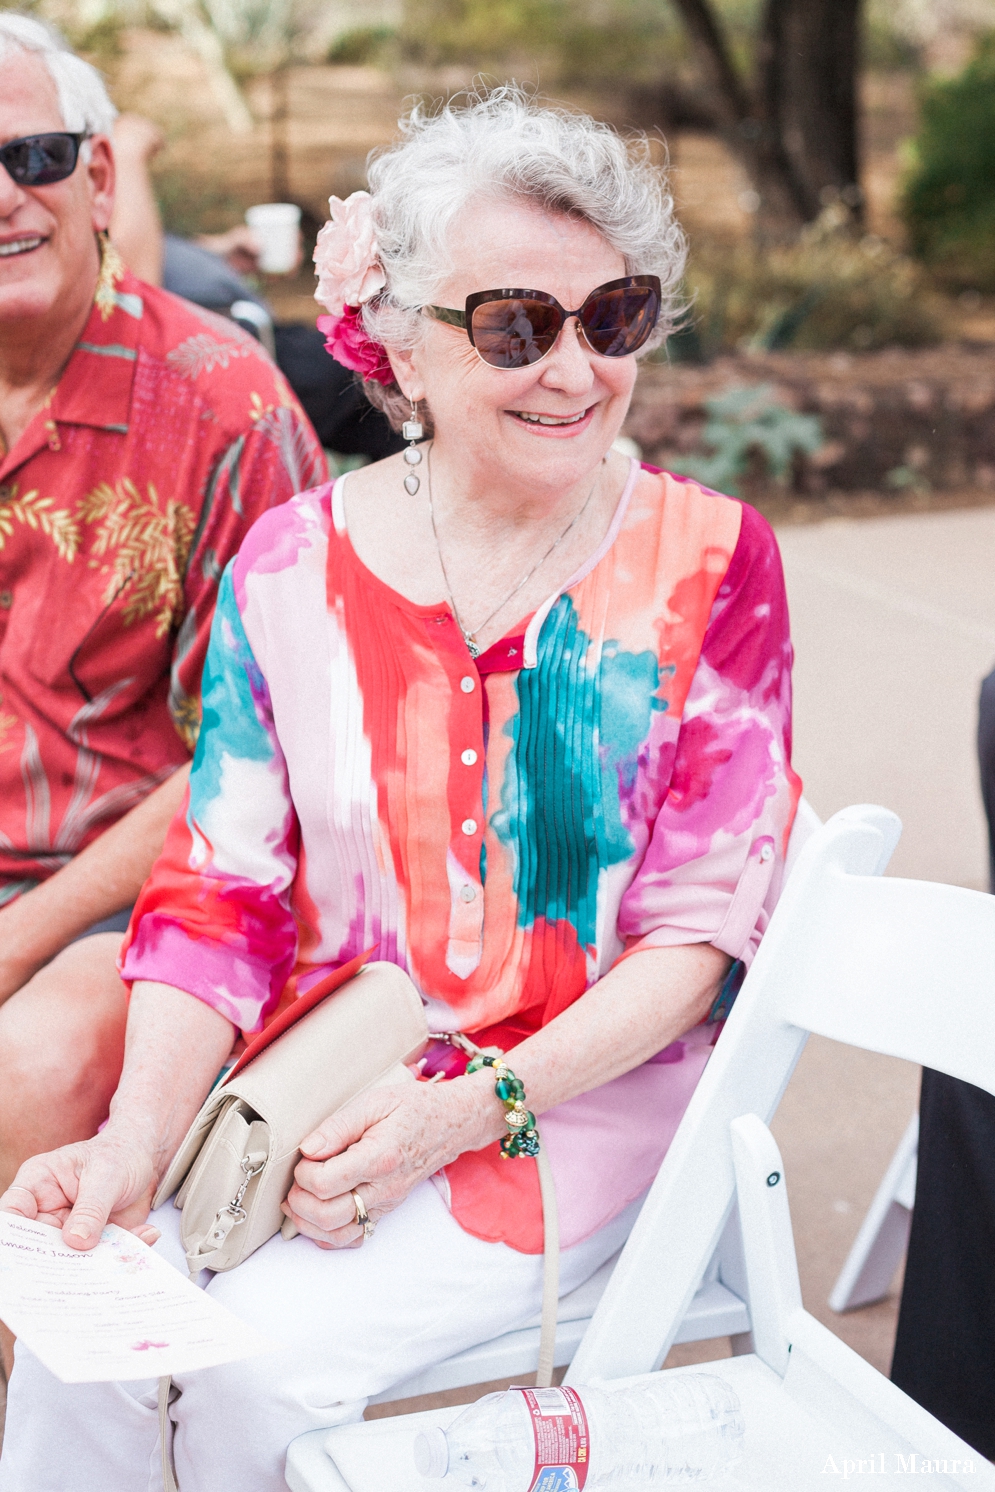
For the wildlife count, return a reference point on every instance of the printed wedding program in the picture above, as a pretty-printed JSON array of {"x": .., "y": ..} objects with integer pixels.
[{"x": 118, "y": 1311}]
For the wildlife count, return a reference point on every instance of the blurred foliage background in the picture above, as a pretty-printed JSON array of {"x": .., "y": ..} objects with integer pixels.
[
  {"x": 832, "y": 289},
  {"x": 949, "y": 194},
  {"x": 284, "y": 98}
]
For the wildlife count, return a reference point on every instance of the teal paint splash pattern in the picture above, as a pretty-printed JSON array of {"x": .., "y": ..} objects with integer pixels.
[{"x": 583, "y": 714}]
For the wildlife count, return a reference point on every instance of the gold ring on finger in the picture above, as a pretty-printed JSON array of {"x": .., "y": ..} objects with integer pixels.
[{"x": 362, "y": 1216}]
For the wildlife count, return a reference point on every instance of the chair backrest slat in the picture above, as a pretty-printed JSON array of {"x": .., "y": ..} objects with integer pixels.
[{"x": 901, "y": 967}]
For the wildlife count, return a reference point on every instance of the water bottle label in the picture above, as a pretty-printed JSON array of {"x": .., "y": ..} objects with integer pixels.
[{"x": 562, "y": 1442}]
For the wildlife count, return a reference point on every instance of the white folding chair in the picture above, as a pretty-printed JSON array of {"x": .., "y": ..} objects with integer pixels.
[
  {"x": 900, "y": 967},
  {"x": 878, "y": 1248}
]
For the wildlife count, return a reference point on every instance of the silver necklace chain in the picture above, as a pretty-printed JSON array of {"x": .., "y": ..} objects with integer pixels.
[{"x": 469, "y": 636}]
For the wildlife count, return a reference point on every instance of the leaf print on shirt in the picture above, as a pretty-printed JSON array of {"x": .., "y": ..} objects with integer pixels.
[
  {"x": 202, "y": 354},
  {"x": 149, "y": 543},
  {"x": 7, "y": 724},
  {"x": 39, "y": 513},
  {"x": 280, "y": 425}
]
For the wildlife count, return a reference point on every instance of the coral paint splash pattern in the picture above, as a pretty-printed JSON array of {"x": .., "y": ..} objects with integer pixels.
[{"x": 615, "y": 777}]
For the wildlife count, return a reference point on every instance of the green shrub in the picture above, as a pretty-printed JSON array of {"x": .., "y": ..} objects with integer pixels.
[
  {"x": 887, "y": 46},
  {"x": 830, "y": 290},
  {"x": 192, "y": 204},
  {"x": 602, "y": 44},
  {"x": 949, "y": 195},
  {"x": 440, "y": 33},
  {"x": 363, "y": 46},
  {"x": 743, "y": 423}
]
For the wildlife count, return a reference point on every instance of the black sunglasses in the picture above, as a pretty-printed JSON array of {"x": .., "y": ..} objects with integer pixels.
[
  {"x": 39, "y": 160},
  {"x": 516, "y": 328}
]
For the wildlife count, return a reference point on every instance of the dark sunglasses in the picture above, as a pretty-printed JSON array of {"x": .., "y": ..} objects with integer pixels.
[
  {"x": 516, "y": 328},
  {"x": 38, "y": 160}
]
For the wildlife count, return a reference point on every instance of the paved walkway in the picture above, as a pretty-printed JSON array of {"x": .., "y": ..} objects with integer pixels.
[{"x": 894, "y": 628}]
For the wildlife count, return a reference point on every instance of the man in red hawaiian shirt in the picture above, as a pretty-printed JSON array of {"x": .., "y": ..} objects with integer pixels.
[{"x": 139, "y": 439}]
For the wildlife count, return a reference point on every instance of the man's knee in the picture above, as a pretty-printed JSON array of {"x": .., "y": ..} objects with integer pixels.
[
  {"x": 64, "y": 1031},
  {"x": 38, "y": 1065}
]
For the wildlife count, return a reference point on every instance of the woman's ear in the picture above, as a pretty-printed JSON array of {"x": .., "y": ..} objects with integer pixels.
[{"x": 404, "y": 364}]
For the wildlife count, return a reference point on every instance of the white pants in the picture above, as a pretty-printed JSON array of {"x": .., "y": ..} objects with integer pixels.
[{"x": 355, "y": 1322}]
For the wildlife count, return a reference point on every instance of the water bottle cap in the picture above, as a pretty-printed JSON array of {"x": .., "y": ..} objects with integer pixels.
[{"x": 432, "y": 1452}]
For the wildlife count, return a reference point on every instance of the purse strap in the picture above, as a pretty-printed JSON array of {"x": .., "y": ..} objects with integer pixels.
[
  {"x": 165, "y": 1439},
  {"x": 550, "y": 1271}
]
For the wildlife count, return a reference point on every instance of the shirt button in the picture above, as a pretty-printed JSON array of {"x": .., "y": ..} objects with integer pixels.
[
  {"x": 467, "y": 893},
  {"x": 469, "y": 826},
  {"x": 467, "y": 684},
  {"x": 468, "y": 757},
  {"x": 767, "y": 852},
  {"x": 7, "y": 601}
]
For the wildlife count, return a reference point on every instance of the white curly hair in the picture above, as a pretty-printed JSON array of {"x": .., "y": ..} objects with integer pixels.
[
  {"x": 504, "y": 143},
  {"x": 83, "y": 100}
]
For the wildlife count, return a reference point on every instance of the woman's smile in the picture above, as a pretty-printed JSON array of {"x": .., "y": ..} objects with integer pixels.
[{"x": 557, "y": 425}]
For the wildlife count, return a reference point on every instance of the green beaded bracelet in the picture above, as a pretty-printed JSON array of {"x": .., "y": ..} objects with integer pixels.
[{"x": 523, "y": 1137}]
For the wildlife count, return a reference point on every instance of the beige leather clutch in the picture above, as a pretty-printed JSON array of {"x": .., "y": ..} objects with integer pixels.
[{"x": 236, "y": 1163}]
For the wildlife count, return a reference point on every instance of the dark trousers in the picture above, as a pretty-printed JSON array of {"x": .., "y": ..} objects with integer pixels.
[{"x": 945, "y": 1347}]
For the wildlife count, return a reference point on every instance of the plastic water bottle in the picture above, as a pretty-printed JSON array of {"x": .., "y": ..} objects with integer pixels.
[{"x": 671, "y": 1430}]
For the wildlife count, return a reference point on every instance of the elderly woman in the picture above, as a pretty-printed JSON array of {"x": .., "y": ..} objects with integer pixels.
[{"x": 508, "y": 707}]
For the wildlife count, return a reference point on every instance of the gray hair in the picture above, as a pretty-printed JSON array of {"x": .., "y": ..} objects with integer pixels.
[
  {"x": 83, "y": 100},
  {"x": 504, "y": 143}
]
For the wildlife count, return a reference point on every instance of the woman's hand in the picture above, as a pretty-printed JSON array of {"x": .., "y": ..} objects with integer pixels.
[
  {"x": 79, "y": 1188},
  {"x": 383, "y": 1144}
]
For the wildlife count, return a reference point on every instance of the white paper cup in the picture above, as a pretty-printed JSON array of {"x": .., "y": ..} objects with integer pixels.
[{"x": 277, "y": 227}]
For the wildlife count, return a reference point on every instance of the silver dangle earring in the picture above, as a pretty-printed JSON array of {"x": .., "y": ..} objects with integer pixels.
[{"x": 412, "y": 430}]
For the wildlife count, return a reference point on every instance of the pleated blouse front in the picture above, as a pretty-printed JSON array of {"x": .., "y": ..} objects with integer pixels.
[{"x": 616, "y": 776}]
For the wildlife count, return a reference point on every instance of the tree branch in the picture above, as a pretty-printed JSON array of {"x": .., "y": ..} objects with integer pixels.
[
  {"x": 732, "y": 98},
  {"x": 741, "y": 119}
]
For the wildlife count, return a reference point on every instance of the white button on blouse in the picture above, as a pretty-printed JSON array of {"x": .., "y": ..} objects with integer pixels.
[
  {"x": 468, "y": 757},
  {"x": 469, "y": 826},
  {"x": 467, "y": 684}
]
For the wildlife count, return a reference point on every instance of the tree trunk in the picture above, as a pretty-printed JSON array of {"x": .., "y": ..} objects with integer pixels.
[
  {"x": 808, "y": 71},
  {"x": 795, "y": 130}
]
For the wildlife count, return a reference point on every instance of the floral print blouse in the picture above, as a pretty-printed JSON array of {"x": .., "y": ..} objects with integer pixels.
[
  {"x": 169, "y": 432},
  {"x": 616, "y": 776}
]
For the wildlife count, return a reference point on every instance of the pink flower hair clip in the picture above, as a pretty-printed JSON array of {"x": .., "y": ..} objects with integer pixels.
[{"x": 347, "y": 263}]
